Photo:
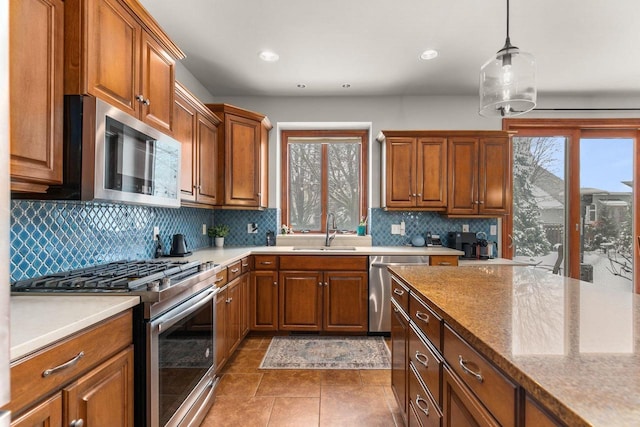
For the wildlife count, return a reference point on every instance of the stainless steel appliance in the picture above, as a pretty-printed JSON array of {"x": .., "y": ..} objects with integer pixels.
[
  {"x": 463, "y": 241},
  {"x": 173, "y": 331},
  {"x": 380, "y": 288},
  {"x": 110, "y": 155}
]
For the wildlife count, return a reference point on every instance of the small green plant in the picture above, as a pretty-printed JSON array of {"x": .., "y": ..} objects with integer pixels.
[{"x": 221, "y": 230}]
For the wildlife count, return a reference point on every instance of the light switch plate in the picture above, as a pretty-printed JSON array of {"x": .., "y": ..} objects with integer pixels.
[
  {"x": 395, "y": 228},
  {"x": 204, "y": 229},
  {"x": 465, "y": 228},
  {"x": 156, "y": 231},
  {"x": 493, "y": 230}
]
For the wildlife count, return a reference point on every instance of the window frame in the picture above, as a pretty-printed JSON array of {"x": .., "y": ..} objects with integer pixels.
[
  {"x": 574, "y": 130},
  {"x": 363, "y": 134}
]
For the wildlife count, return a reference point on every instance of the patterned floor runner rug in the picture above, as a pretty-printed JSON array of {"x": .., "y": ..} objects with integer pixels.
[{"x": 323, "y": 352}]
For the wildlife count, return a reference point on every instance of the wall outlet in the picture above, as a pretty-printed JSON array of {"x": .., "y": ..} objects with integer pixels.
[
  {"x": 493, "y": 230},
  {"x": 252, "y": 228},
  {"x": 204, "y": 229},
  {"x": 465, "y": 228},
  {"x": 156, "y": 232},
  {"x": 395, "y": 228}
]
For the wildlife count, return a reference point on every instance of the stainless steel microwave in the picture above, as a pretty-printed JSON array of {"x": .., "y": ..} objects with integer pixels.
[{"x": 112, "y": 156}]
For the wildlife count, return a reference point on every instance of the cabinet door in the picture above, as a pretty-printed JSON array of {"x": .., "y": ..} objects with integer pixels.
[
  {"x": 264, "y": 300},
  {"x": 242, "y": 165},
  {"x": 431, "y": 172},
  {"x": 157, "y": 84},
  {"x": 207, "y": 141},
  {"x": 400, "y": 172},
  {"x": 494, "y": 184},
  {"x": 184, "y": 131},
  {"x": 300, "y": 300},
  {"x": 244, "y": 304},
  {"x": 234, "y": 307},
  {"x": 463, "y": 176},
  {"x": 113, "y": 55},
  {"x": 346, "y": 301},
  {"x": 46, "y": 414},
  {"x": 399, "y": 359},
  {"x": 36, "y": 90},
  {"x": 221, "y": 344},
  {"x": 104, "y": 396},
  {"x": 460, "y": 407}
]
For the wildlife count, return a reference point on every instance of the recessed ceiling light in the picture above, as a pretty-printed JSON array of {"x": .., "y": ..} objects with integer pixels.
[
  {"x": 268, "y": 56},
  {"x": 429, "y": 54},
  {"x": 301, "y": 85},
  {"x": 346, "y": 85}
]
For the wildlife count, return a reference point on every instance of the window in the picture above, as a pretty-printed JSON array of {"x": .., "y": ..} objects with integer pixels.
[
  {"x": 324, "y": 171},
  {"x": 575, "y": 198}
]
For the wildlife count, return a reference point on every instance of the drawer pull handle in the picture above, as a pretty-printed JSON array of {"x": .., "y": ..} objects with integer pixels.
[
  {"x": 398, "y": 292},
  {"x": 422, "y": 358},
  {"x": 235, "y": 270},
  {"x": 219, "y": 279},
  {"x": 66, "y": 365},
  {"x": 444, "y": 263},
  {"x": 265, "y": 262},
  {"x": 463, "y": 365},
  {"x": 245, "y": 265},
  {"x": 422, "y": 316},
  {"x": 424, "y": 409}
]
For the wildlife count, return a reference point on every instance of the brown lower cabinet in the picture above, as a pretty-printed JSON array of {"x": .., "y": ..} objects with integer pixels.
[
  {"x": 95, "y": 389},
  {"x": 230, "y": 329},
  {"x": 461, "y": 408}
]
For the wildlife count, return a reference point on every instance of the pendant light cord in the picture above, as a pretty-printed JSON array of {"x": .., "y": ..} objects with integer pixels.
[{"x": 507, "y": 19}]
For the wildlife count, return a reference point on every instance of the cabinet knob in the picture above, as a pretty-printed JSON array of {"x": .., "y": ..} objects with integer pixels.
[
  {"x": 77, "y": 423},
  {"x": 139, "y": 98},
  {"x": 146, "y": 102},
  {"x": 419, "y": 194},
  {"x": 275, "y": 283}
]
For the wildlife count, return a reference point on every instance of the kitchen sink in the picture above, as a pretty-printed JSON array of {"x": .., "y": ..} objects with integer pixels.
[{"x": 325, "y": 248}]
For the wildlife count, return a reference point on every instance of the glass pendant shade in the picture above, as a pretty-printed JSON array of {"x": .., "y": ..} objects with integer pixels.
[{"x": 508, "y": 83}]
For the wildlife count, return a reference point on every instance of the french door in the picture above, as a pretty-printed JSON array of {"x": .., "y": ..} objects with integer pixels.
[{"x": 575, "y": 199}]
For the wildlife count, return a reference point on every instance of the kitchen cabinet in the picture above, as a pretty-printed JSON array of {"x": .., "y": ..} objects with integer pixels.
[
  {"x": 196, "y": 128},
  {"x": 115, "y": 51},
  {"x": 536, "y": 415},
  {"x": 243, "y": 138},
  {"x": 36, "y": 57},
  {"x": 461, "y": 407},
  {"x": 480, "y": 175},
  {"x": 415, "y": 172},
  {"x": 323, "y": 293},
  {"x": 443, "y": 260},
  {"x": 246, "y": 295},
  {"x": 88, "y": 377},
  {"x": 263, "y": 298},
  {"x": 399, "y": 360}
]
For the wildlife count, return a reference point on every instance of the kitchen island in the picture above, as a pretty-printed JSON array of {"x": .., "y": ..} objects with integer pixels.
[{"x": 570, "y": 346}]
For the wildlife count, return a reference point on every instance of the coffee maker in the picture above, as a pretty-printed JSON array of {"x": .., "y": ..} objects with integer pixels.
[{"x": 463, "y": 241}]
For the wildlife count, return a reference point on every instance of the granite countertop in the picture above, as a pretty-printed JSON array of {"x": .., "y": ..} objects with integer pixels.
[
  {"x": 574, "y": 346},
  {"x": 38, "y": 321}
]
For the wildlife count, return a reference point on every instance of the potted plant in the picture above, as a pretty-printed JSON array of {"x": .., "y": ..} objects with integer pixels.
[{"x": 218, "y": 232}]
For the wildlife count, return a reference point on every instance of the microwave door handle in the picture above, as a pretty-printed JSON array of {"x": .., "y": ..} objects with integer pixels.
[{"x": 174, "y": 316}]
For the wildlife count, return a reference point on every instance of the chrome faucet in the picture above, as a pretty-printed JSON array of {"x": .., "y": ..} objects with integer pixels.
[{"x": 329, "y": 238}]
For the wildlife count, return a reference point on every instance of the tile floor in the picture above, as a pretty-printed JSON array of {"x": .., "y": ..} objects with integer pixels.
[{"x": 248, "y": 396}]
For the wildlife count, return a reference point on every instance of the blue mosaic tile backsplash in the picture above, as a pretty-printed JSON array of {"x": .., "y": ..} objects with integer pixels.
[
  {"x": 48, "y": 237},
  {"x": 237, "y": 221},
  {"x": 418, "y": 223}
]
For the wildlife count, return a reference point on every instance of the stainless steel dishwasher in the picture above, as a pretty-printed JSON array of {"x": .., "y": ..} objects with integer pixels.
[{"x": 380, "y": 288}]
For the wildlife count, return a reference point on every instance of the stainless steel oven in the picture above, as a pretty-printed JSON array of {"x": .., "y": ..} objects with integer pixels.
[{"x": 180, "y": 362}]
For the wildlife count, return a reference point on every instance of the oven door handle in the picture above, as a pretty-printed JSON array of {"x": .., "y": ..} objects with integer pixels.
[{"x": 180, "y": 312}]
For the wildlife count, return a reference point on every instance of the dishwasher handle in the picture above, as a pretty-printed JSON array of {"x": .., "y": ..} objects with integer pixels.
[{"x": 396, "y": 264}]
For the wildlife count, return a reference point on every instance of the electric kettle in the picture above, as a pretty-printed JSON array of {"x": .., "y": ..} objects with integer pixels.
[{"x": 179, "y": 246}]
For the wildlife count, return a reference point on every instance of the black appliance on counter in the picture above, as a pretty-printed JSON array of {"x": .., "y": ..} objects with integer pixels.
[
  {"x": 169, "y": 334},
  {"x": 463, "y": 241}
]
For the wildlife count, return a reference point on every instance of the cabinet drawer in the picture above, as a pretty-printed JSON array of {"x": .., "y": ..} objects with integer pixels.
[
  {"x": 234, "y": 270},
  {"x": 221, "y": 278},
  {"x": 495, "y": 391},
  {"x": 245, "y": 265},
  {"x": 444, "y": 260},
  {"x": 426, "y": 320},
  {"x": 427, "y": 411},
  {"x": 400, "y": 293},
  {"x": 426, "y": 363},
  {"x": 28, "y": 378},
  {"x": 324, "y": 262},
  {"x": 265, "y": 262}
]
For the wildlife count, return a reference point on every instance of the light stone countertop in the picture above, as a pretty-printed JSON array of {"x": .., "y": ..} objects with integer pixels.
[
  {"x": 38, "y": 321},
  {"x": 574, "y": 346}
]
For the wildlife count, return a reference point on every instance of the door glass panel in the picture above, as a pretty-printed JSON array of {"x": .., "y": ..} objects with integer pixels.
[
  {"x": 606, "y": 198},
  {"x": 305, "y": 185},
  {"x": 539, "y": 201}
]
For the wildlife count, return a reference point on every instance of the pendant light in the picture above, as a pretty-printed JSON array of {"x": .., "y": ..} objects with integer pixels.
[{"x": 508, "y": 81}]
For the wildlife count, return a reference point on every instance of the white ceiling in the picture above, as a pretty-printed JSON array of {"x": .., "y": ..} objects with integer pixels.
[{"x": 582, "y": 47}]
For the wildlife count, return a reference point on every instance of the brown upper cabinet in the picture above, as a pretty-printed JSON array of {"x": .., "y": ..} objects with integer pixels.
[
  {"x": 36, "y": 40},
  {"x": 458, "y": 173},
  {"x": 480, "y": 174},
  {"x": 196, "y": 127},
  {"x": 114, "y": 50},
  {"x": 243, "y": 139},
  {"x": 416, "y": 171}
]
